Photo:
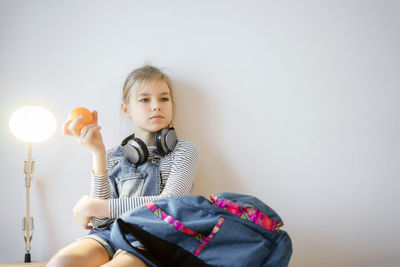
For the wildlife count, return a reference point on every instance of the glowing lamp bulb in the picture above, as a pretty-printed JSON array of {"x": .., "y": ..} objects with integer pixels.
[{"x": 32, "y": 124}]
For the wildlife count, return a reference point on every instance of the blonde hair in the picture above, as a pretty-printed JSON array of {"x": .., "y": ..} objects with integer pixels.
[{"x": 141, "y": 76}]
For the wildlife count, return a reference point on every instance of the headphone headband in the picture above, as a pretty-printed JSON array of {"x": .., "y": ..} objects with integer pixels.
[
  {"x": 125, "y": 141},
  {"x": 136, "y": 150}
]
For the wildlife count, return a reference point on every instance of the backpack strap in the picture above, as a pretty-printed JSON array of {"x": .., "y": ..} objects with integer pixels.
[{"x": 247, "y": 213}]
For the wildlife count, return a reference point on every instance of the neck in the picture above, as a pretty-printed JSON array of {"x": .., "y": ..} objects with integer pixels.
[{"x": 145, "y": 136}]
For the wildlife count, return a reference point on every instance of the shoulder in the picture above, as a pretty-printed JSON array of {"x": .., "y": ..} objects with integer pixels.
[
  {"x": 113, "y": 155},
  {"x": 184, "y": 157},
  {"x": 114, "y": 151},
  {"x": 185, "y": 152},
  {"x": 185, "y": 146}
]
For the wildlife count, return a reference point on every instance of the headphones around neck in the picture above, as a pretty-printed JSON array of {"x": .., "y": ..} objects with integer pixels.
[{"x": 136, "y": 150}]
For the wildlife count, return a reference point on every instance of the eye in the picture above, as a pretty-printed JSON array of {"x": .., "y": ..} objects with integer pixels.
[
  {"x": 165, "y": 99},
  {"x": 144, "y": 100}
]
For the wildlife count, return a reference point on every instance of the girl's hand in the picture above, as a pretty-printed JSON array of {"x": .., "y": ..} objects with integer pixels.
[
  {"x": 89, "y": 136},
  {"x": 88, "y": 207},
  {"x": 81, "y": 212}
]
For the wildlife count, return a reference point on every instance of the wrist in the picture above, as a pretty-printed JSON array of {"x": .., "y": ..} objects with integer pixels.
[
  {"x": 99, "y": 163},
  {"x": 98, "y": 153},
  {"x": 99, "y": 208}
]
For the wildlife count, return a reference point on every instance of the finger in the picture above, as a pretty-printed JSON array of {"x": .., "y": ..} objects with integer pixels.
[
  {"x": 73, "y": 127},
  {"x": 86, "y": 128},
  {"x": 92, "y": 131},
  {"x": 65, "y": 129},
  {"x": 95, "y": 116}
]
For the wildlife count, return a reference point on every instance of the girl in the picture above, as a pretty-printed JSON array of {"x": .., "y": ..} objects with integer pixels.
[{"x": 148, "y": 165}]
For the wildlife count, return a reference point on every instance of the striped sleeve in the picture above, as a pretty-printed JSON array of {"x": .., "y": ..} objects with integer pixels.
[
  {"x": 100, "y": 188},
  {"x": 183, "y": 165}
]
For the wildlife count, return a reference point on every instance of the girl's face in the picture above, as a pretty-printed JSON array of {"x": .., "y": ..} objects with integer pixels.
[{"x": 151, "y": 107}]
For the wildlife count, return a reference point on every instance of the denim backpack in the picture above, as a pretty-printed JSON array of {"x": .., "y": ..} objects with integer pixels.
[{"x": 228, "y": 230}]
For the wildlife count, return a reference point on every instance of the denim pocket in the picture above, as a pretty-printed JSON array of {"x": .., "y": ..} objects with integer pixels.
[{"x": 131, "y": 185}]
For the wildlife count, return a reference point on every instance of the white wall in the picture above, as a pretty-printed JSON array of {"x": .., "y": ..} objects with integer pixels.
[{"x": 295, "y": 102}]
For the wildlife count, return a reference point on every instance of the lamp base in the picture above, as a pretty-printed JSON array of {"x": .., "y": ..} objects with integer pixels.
[{"x": 27, "y": 257}]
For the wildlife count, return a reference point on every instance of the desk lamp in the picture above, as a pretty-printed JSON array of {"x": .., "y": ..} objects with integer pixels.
[{"x": 31, "y": 124}]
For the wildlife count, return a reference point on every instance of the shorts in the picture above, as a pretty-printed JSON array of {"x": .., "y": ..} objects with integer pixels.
[{"x": 102, "y": 236}]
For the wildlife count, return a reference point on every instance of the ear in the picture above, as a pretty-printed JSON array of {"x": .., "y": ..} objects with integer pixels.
[{"x": 124, "y": 108}]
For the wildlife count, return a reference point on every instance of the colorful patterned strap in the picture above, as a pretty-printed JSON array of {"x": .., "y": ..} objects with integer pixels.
[
  {"x": 247, "y": 213},
  {"x": 204, "y": 240}
]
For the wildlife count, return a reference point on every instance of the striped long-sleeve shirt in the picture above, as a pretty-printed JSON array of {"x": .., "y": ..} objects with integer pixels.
[{"x": 177, "y": 170}]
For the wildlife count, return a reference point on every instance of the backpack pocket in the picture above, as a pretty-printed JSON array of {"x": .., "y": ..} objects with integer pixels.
[
  {"x": 237, "y": 244},
  {"x": 202, "y": 239}
]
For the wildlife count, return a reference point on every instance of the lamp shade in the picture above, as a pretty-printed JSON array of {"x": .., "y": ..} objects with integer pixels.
[{"x": 32, "y": 124}]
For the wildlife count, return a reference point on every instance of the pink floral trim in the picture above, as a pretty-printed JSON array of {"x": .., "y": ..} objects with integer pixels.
[
  {"x": 210, "y": 236},
  {"x": 247, "y": 213},
  {"x": 204, "y": 240}
]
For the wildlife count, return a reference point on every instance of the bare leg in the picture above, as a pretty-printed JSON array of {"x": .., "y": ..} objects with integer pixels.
[
  {"x": 125, "y": 259},
  {"x": 84, "y": 252}
]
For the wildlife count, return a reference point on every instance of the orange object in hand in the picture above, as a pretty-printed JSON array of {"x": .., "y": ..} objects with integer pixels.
[{"x": 87, "y": 116}]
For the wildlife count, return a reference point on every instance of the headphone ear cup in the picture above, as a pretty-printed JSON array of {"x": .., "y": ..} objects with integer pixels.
[
  {"x": 166, "y": 140},
  {"x": 136, "y": 151}
]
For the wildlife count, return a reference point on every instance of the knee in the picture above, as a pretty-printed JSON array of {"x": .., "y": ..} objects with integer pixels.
[{"x": 85, "y": 253}]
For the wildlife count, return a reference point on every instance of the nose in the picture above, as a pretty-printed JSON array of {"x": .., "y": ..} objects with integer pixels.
[{"x": 155, "y": 105}]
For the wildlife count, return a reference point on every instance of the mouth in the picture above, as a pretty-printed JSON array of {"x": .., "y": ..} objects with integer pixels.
[{"x": 157, "y": 117}]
